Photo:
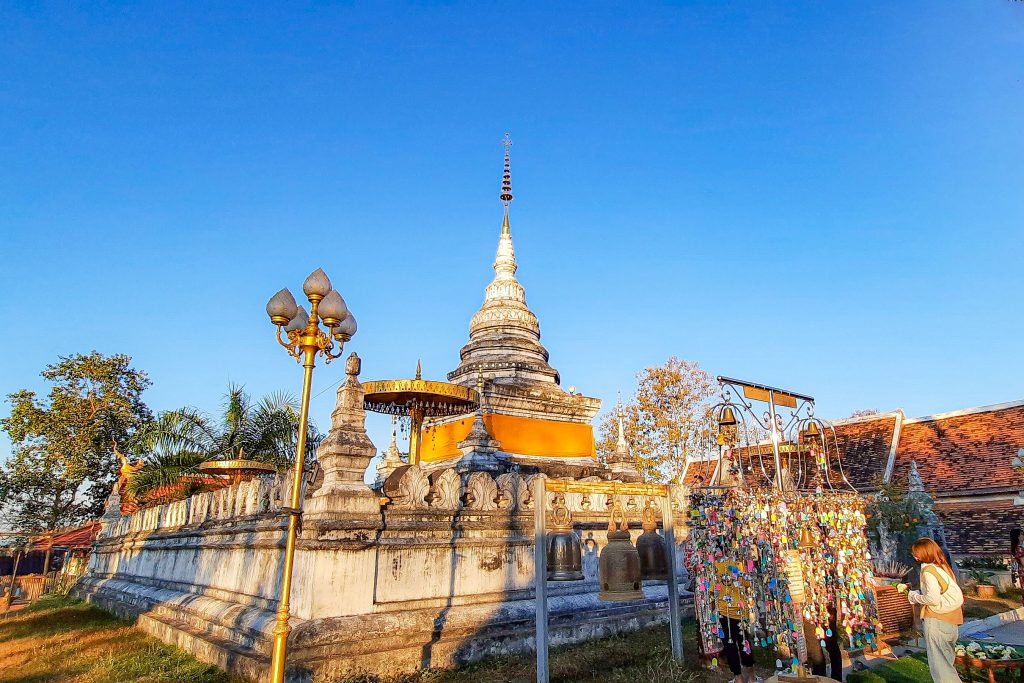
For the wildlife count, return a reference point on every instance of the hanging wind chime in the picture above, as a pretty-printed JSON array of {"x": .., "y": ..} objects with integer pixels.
[{"x": 783, "y": 553}]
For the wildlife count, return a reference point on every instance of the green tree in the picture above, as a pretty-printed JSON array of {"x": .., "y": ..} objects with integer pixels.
[
  {"x": 667, "y": 421},
  {"x": 63, "y": 465},
  {"x": 179, "y": 440}
]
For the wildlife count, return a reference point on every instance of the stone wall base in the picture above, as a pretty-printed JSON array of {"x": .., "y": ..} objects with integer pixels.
[{"x": 237, "y": 638}]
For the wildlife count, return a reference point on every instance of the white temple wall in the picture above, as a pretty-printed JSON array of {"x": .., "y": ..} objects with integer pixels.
[{"x": 367, "y": 591}]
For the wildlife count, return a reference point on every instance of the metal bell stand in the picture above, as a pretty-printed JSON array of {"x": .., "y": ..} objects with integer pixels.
[{"x": 541, "y": 487}]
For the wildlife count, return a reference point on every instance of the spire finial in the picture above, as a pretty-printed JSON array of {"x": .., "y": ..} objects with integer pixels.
[
  {"x": 506, "y": 182},
  {"x": 419, "y": 369}
]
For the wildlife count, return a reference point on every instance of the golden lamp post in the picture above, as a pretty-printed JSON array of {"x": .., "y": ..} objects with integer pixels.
[{"x": 302, "y": 337}]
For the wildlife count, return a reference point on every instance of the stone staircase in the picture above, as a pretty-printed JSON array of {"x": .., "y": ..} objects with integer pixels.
[{"x": 232, "y": 636}]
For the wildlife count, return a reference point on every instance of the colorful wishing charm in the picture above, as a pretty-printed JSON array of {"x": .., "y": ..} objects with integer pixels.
[{"x": 773, "y": 560}]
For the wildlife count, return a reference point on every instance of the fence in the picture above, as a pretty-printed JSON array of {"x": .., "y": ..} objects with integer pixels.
[{"x": 31, "y": 587}]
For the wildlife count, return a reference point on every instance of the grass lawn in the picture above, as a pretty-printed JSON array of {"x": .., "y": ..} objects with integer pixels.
[
  {"x": 59, "y": 639},
  {"x": 979, "y": 608},
  {"x": 912, "y": 669},
  {"x": 641, "y": 657}
]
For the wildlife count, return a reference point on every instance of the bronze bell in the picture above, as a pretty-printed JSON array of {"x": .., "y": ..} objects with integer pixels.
[
  {"x": 619, "y": 564},
  {"x": 726, "y": 418},
  {"x": 651, "y": 548},
  {"x": 811, "y": 432},
  {"x": 565, "y": 554},
  {"x": 806, "y": 538}
]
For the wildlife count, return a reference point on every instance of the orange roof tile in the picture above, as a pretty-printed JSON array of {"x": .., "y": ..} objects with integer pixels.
[{"x": 964, "y": 452}]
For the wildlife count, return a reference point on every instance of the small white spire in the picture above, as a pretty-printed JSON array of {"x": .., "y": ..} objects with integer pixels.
[{"x": 622, "y": 448}]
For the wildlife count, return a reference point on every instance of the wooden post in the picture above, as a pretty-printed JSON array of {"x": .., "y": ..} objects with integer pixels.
[
  {"x": 46, "y": 565},
  {"x": 14, "y": 582},
  {"x": 675, "y": 627},
  {"x": 540, "y": 570}
]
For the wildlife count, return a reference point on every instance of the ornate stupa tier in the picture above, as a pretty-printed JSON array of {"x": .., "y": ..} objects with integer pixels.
[
  {"x": 504, "y": 335},
  {"x": 525, "y": 415}
]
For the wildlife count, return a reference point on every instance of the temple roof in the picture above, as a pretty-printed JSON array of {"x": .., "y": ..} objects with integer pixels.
[
  {"x": 960, "y": 453},
  {"x": 965, "y": 451},
  {"x": 77, "y": 537}
]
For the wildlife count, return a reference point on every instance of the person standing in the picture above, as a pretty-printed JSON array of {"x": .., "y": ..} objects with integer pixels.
[
  {"x": 1017, "y": 558},
  {"x": 942, "y": 609},
  {"x": 736, "y": 646},
  {"x": 816, "y": 654}
]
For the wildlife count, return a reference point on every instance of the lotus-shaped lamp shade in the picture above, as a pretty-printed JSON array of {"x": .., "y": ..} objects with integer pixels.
[
  {"x": 346, "y": 329},
  {"x": 317, "y": 284},
  {"x": 282, "y": 307},
  {"x": 333, "y": 309},
  {"x": 299, "y": 322}
]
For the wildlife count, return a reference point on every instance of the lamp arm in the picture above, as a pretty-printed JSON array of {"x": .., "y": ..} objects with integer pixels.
[
  {"x": 328, "y": 356},
  {"x": 289, "y": 346}
]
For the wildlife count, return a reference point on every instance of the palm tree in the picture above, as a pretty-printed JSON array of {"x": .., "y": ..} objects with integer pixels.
[{"x": 179, "y": 440}]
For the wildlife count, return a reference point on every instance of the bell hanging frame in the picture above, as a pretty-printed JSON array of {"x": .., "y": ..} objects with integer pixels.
[{"x": 786, "y": 434}]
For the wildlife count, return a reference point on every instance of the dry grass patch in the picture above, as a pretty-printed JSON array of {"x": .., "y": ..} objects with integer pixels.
[
  {"x": 64, "y": 640},
  {"x": 979, "y": 608},
  {"x": 58, "y": 639},
  {"x": 641, "y": 657}
]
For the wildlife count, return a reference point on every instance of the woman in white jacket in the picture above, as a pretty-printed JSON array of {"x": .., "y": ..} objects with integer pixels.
[{"x": 942, "y": 609}]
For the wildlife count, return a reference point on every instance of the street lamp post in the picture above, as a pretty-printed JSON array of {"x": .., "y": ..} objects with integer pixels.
[{"x": 301, "y": 336}]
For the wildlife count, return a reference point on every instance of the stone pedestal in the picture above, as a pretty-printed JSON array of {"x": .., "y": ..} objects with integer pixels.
[
  {"x": 345, "y": 454},
  {"x": 478, "y": 450}
]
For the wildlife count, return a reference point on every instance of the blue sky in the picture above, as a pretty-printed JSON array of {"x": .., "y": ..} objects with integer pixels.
[{"x": 823, "y": 196}]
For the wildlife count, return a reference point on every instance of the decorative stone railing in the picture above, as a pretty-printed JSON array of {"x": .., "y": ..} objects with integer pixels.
[
  {"x": 412, "y": 489},
  {"x": 246, "y": 498},
  {"x": 444, "y": 491}
]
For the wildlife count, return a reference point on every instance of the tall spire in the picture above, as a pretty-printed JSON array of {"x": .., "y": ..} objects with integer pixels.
[
  {"x": 505, "y": 260},
  {"x": 504, "y": 335},
  {"x": 506, "y": 183}
]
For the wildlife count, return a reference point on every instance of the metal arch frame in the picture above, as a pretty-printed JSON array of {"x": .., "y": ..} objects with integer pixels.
[
  {"x": 716, "y": 413},
  {"x": 541, "y": 486},
  {"x": 772, "y": 422},
  {"x": 792, "y": 430}
]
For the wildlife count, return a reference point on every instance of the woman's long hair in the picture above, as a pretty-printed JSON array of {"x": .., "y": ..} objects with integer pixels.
[
  {"x": 925, "y": 550},
  {"x": 1014, "y": 541}
]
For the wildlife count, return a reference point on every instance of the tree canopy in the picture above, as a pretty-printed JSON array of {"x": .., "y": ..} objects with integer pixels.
[
  {"x": 179, "y": 440},
  {"x": 666, "y": 421},
  {"x": 63, "y": 465}
]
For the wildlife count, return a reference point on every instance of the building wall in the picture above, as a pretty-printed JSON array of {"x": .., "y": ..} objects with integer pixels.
[{"x": 443, "y": 574}]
